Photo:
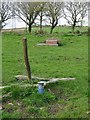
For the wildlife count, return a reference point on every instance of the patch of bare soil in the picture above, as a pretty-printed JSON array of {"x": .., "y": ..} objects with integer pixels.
[
  {"x": 10, "y": 106},
  {"x": 54, "y": 108}
]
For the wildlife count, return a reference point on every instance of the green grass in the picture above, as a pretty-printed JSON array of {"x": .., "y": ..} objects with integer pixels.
[{"x": 64, "y": 99}]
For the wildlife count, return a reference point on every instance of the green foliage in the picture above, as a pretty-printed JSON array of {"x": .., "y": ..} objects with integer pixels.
[
  {"x": 40, "y": 32},
  {"x": 39, "y": 100},
  {"x": 20, "y": 92},
  {"x": 7, "y": 115}
]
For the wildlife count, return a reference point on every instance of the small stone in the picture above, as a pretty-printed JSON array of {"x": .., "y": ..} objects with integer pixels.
[
  {"x": 21, "y": 77},
  {"x": 10, "y": 103},
  {"x": 88, "y": 112},
  {"x": 41, "y": 108}
]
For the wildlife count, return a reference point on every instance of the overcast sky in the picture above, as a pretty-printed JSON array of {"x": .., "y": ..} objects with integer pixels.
[{"x": 46, "y": 0}]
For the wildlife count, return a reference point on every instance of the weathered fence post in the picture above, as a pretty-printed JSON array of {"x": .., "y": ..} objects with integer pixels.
[{"x": 26, "y": 58}]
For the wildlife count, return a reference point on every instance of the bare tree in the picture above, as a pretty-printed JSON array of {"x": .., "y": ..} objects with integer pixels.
[
  {"x": 84, "y": 8},
  {"x": 89, "y": 15},
  {"x": 74, "y": 12},
  {"x": 41, "y": 14},
  {"x": 27, "y": 11},
  {"x": 5, "y": 13},
  {"x": 54, "y": 12}
]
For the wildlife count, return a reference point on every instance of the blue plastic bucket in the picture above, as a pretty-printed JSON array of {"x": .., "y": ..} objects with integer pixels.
[{"x": 41, "y": 87}]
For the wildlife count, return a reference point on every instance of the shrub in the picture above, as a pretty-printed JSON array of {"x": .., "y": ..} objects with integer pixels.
[
  {"x": 39, "y": 100},
  {"x": 40, "y": 32},
  {"x": 20, "y": 92}
]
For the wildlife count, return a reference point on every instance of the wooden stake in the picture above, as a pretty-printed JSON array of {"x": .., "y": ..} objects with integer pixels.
[{"x": 26, "y": 58}]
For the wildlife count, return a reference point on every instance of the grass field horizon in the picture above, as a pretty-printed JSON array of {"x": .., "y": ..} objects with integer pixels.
[{"x": 64, "y": 99}]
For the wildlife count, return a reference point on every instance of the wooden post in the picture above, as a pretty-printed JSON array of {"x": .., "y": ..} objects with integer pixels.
[{"x": 26, "y": 58}]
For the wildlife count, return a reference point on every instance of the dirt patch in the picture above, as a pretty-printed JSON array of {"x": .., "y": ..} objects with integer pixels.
[
  {"x": 10, "y": 106},
  {"x": 54, "y": 108}
]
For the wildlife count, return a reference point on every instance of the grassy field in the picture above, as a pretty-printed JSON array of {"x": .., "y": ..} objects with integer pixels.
[{"x": 64, "y": 99}]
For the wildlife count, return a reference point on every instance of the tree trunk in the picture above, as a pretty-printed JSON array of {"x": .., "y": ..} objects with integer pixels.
[
  {"x": 26, "y": 24},
  {"x": 73, "y": 26},
  {"x": 0, "y": 25},
  {"x": 30, "y": 28},
  {"x": 54, "y": 24},
  {"x": 51, "y": 30},
  {"x": 41, "y": 21}
]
